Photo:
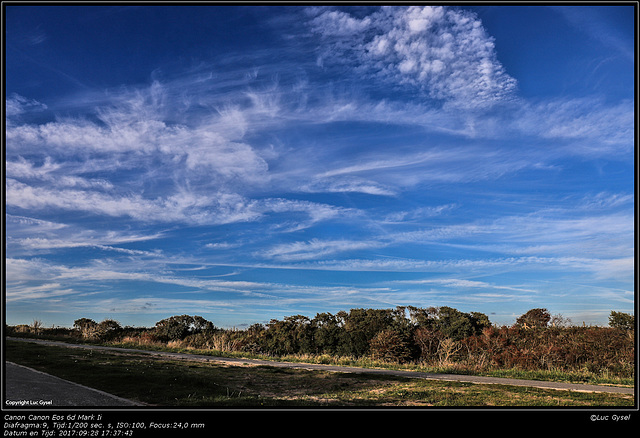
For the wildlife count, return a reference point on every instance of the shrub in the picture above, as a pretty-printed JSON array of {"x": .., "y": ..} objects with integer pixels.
[
  {"x": 427, "y": 340},
  {"x": 568, "y": 349},
  {"x": 86, "y": 327},
  {"x": 447, "y": 349},
  {"x": 390, "y": 346}
]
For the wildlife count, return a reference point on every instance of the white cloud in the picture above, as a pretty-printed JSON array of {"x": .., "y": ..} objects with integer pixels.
[
  {"x": 25, "y": 292},
  {"x": 445, "y": 52},
  {"x": 465, "y": 284},
  {"x": 335, "y": 23},
  {"x": 201, "y": 147},
  {"x": 587, "y": 126},
  {"x": 17, "y": 105},
  {"x": 315, "y": 248},
  {"x": 418, "y": 213},
  {"x": 137, "y": 130},
  {"x": 183, "y": 207},
  {"x": 348, "y": 185},
  {"x": 53, "y": 174}
]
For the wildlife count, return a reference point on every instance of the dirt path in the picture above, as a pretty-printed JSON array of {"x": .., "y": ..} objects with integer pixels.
[{"x": 344, "y": 369}]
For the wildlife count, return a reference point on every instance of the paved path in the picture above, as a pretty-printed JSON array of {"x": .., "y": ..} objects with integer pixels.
[
  {"x": 344, "y": 369},
  {"x": 29, "y": 388}
]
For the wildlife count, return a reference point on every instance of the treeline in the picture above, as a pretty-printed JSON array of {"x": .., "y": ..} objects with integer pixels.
[{"x": 435, "y": 336}]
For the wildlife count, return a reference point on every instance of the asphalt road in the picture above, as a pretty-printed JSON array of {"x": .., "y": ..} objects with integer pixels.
[
  {"x": 43, "y": 389},
  {"x": 29, "y": 388}
]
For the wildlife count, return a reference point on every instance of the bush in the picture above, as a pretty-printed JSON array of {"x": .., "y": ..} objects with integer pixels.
[
  {"x": 86, "y": 327},
  {"x": 567, "y": 349},
  {"x": 427, "y": 340},
  {"x": 390, "y": 346}
]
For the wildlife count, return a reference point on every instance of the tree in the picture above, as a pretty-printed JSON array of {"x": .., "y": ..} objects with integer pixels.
[
  {"x": 108, "y": 329},
  {"x": 458, "y": 325},
  {"x": 534, "y": 318},
  {"x": 327, "y": 333},
  {"x": 559, "y": 321},
  {"x": 36, "y": 326},
  {"x": 300, "y": 334},
  {"x": 622, "y": 320},
  {"x": 480, "y": 321},
  {"x": 289, "y": 336},
  {"x": 177, "y": 328},
  {"x": 361, "y": 325},
  {"x": 87, "y": 327},
  {"x": 423, "y": 318}
]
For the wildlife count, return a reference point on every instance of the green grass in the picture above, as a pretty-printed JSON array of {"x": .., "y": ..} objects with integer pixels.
[{"x": 165, "y": 382}]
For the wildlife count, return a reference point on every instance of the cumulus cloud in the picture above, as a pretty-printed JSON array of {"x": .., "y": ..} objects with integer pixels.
[{"x": 444, "y": 52}]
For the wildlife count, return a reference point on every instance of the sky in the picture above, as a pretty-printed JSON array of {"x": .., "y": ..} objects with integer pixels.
[{"x": 249, "y": 163}]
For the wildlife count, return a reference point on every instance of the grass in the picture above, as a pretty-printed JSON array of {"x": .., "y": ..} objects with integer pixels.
[
  {"x": 165, "y": 382},
  {"x": 603, "y": 377}
]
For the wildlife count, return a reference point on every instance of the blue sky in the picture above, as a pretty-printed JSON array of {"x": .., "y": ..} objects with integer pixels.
[{"x": 256, "y": 162}]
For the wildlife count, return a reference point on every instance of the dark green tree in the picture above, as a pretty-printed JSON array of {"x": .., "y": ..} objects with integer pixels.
[
  {"x": 424, "y": 318},
  {"x": 327, "y": 333},
  {"x": 108, "y": 330},
  {"x": 292, "y": 335},
  {"x": 179, "y": 327},
  {"x": 534, "y": 318},
  {"x": 454, "y": 324},
  {"x": 622, "y": 320},
  {"x": 361, "y": 325}
]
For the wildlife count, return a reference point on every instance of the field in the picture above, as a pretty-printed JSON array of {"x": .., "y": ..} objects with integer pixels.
[{"x": 164, "y": 382}]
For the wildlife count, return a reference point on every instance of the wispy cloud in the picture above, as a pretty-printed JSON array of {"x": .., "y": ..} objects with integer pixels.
[
  {"x": 315, "y": 248},
  {"x": 16, "y": 105},
  {"x": 349, "y": 156},
  {"x": 466, "y": 284},
  {"x": 597, "y": 28}
]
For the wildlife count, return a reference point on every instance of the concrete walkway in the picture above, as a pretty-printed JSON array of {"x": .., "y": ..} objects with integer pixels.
[
  {"x": 344, "y": 369},
  {"x": 29, "y": 388}
]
